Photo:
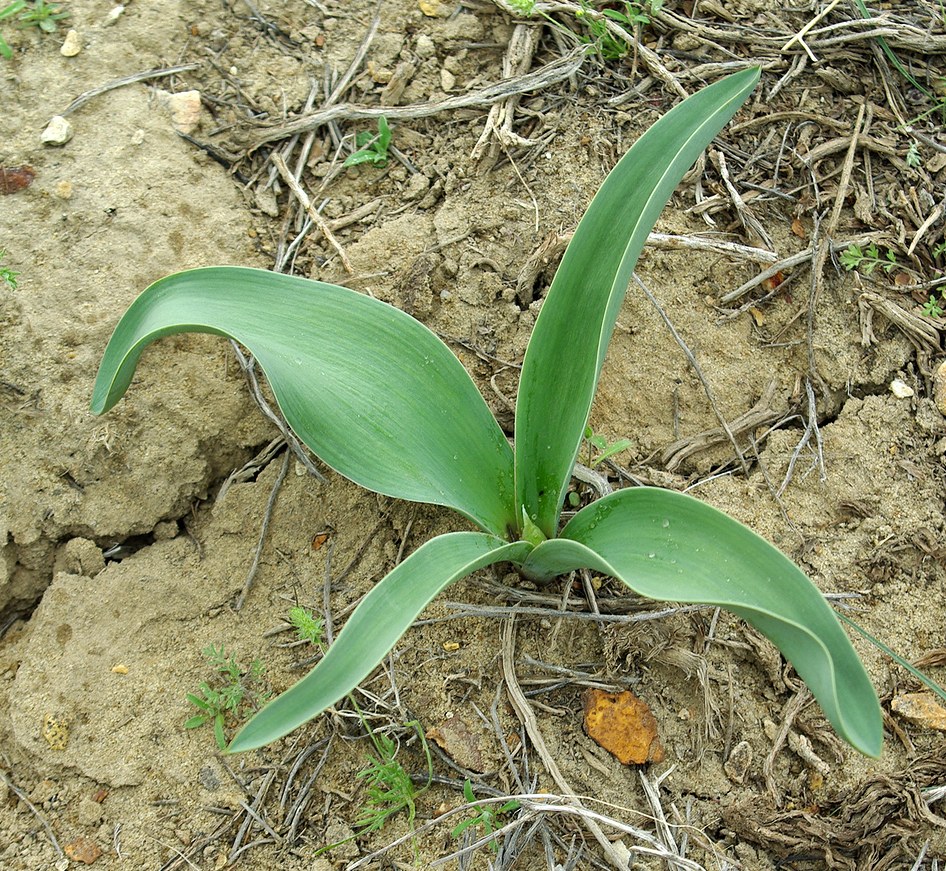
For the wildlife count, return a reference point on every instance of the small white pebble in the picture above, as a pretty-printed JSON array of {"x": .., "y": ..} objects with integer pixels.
[
  {"x": 114, "y": 14},
  {"x": 57, "y": 132},
  {"x": 72, "y": 44},
  {"x": 900, "y": 389}
]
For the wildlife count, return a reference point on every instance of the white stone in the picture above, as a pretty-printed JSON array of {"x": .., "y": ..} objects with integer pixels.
[
  {"x": 900, "y": 389},
  {"x": 58, "y": 131},
  {"x": 113, "y": 15},
  {"x": 72, "y": 44}
]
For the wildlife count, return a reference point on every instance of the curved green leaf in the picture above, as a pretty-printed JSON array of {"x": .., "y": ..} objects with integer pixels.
[
  {"x": 561, "y": 367},
  {"x": 374, "y": 627},
  {"x": 370, "y": 390},
  {"x": 669, "y": 546}
]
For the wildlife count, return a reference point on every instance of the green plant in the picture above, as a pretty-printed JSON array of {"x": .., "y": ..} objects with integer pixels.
[
  {"x": 605, "y": 449},
  {"x": 867, "y": 259},
  {"x": 382, "y": 400},
  {"x": 308, "y": 627},
  {"x": 37, "y": 13},
  {"x": 7, "y": 275},
  {"x": 372, "y": 147},
  {"x": 486, "y": 816},
  {"x": 43, "y": 15},
  {"x": 610, "y": 46},
  {"x": 935, "y": 308},
  {"x": 9, "y": 11},
  {"x": 390, "y": 788},
  {"x": 233, "y": 696},
  {"x": 913, "y": 157}
]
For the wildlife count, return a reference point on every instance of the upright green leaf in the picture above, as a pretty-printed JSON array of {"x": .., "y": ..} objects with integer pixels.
[
  {"x": 568, "y": 345},
  {"x": 372, "y": 391},
  {"x": 374, "y": 627},
  {"x": 669, "y": 546}
]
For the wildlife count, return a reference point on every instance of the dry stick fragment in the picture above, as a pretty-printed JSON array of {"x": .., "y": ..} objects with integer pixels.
[
  {"x": 699, "y": 373},
  {"x": 306, "y": 204},
  {"x": 761, "y": 414},
  {"x": 498, "y": 128},
  {"x": 251, "y": 575},
  {"x": 821, "y": 244},
  {"x": 791, "y": 262},
  {"x": 616, "y": 853},
  {"x": 550, "y": 74},
  {"x": 792, "y": 710},
  {"x": 248, "y": 365},
  {"x": 798, "y": 37},
  {"x": 22, "y": 796},
  {"x": 84, "y": 97}
]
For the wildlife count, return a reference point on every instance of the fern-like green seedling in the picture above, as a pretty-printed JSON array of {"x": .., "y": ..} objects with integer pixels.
[
  {"x": 384, "y": 401},
  {"x": 308, "y": 627},
  {"x": 234, "y": 694},
  {"x": 867, "y": 259}
]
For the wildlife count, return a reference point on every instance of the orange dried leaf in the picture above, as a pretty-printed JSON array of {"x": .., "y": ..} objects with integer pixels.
[
  {"x": 623, "y": 725},
  {"x": 798, "y": 228},
  {"x": 83, "y": 850},
  {"x": 920, "y": 708}
]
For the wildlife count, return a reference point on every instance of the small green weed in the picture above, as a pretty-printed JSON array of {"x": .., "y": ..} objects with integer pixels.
[
  {"x": 7, "y": 12},
  {"x": 7, "y": 275},
  {"x": 935, "y": 308},
  {"x": 234, "y": 696},
  {"x": 37, "y": 13},
  {"x": 43, "y": 15},
  {"x": 636, "y": 14},
  {"x": 372, "y": 147},
  {"x": 867, "y": 259},
  {"x": 308, "y": 627},
  {"x": 487, "y": 816},
  {"x": 605, "y": 449},
  {"x": 390, "y": 788},
  {"x": 913, "y": 157}
]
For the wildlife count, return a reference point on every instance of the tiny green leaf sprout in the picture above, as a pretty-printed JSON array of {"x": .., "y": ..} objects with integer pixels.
[{"x": 379, "y": 398}]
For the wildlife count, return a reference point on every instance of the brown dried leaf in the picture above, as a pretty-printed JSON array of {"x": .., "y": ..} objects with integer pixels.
[
  {"x": 15, "y": 178},
  {"x": 623, "y": 725},
  {"x": 460, "y": 743}
]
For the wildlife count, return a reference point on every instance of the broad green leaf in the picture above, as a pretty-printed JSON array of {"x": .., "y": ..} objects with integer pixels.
[
  {"x": 369, "y": 389},
  {"x": 374, "y": 627},
  {"x": 562, "y": 364},
  {"x": 669, "y": 546}
]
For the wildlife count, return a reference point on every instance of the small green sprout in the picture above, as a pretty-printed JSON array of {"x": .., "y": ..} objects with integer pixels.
[
  {"x": 935, "y": 308},
  {"x": 234, "y": 696},
  {"x": 308, "y": 627},
  {"x": 37, "y": 13},
  {"x": 7, "y": 12},
  {"x": 372, "y": 147},
  {"x": 605, "y": 449},
  {"x": 43, "y": 15},
  {"x": 867, "y": 259},
  {"x": 635, "y": 15},
  {"x": 913, "y": 157},
  {"x": 390, "y": 788},
  {"x": 7, "y": 275},
  {"x": 487, "y": 816},
  {"x": 939, "y": 249}
]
